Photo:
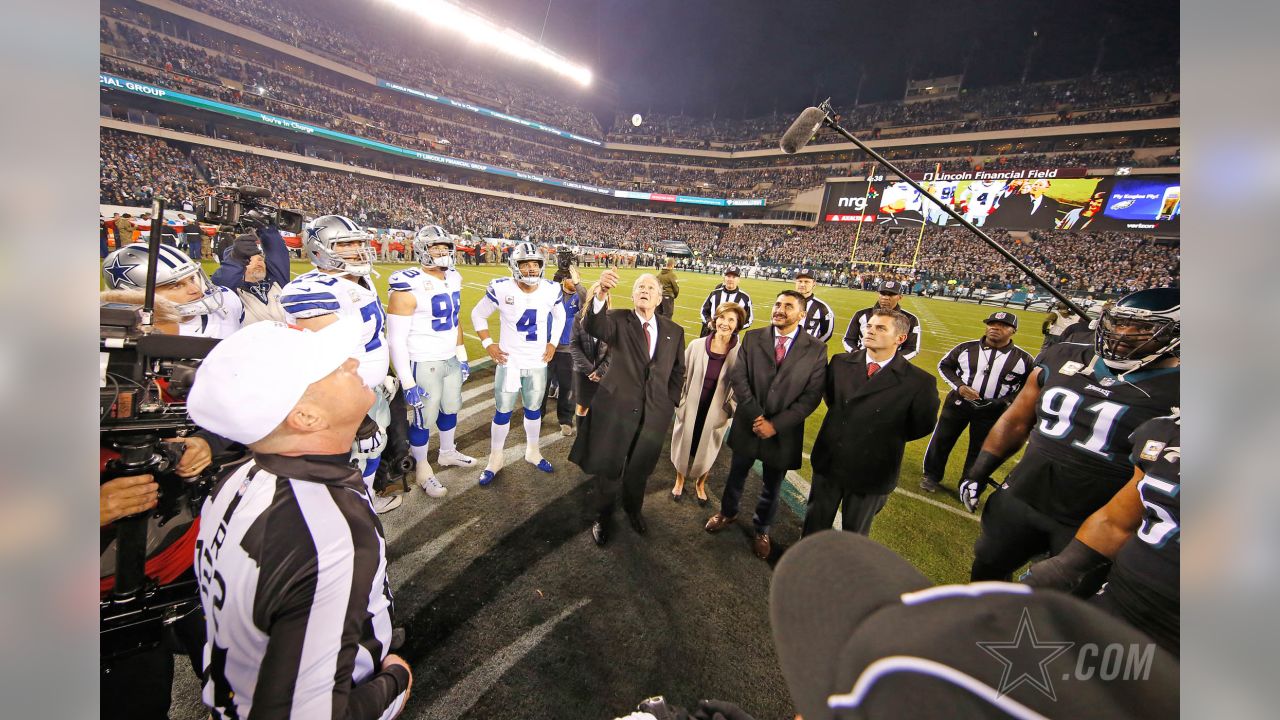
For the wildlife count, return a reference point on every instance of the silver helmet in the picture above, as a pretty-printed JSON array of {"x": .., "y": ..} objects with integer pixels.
[
  {"x": 127, "y": 268},
  {"x": 325, "y": 232},
  {"x": 431, "y": 235},
  {"x": 522, "y": 252}
]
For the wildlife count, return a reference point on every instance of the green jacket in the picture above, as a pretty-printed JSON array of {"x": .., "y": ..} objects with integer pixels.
[{"x": 670, "y": 287}]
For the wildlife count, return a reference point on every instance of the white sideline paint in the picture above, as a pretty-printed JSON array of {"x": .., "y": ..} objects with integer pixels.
[
  {"x": 464, "y": 694},
  {"x": 426, "y": 553}
]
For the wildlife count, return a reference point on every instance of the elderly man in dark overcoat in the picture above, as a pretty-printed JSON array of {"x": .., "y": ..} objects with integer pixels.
[{"x": 621, "y": 439}]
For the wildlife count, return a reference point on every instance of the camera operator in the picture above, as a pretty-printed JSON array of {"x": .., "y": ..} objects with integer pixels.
[
  {"x": 299, "y": 619},
  {"x": 572, "y": 296},
  {"x": 256, "y": 274},
  {"x": 186, "y": 302}
]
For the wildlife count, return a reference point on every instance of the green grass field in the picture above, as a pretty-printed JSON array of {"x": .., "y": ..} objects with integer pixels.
[{"x": 934, "y": 532}]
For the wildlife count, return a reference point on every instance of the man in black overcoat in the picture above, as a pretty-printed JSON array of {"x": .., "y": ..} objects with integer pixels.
[
  {"x": 777, "y": 383},
  {"x": 621, "y": 439},
  {"x": 877, "y": 401}
]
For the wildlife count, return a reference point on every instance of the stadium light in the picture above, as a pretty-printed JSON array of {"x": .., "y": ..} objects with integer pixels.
[{"x": 482, "y": 31}]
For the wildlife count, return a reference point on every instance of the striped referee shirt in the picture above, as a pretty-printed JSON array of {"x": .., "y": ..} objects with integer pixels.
[
  {"x": 994, "y": 373},
  {"x": 819, "y": 321},
  {"x": 292, "y": 566},
  {"x": 858, "y": 327},
  {"x": 720, "y": 296}
]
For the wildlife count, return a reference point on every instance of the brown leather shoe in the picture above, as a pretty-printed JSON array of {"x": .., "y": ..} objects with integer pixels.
[
  {"x": 719, "y": 522},
  {"x": 762, "y": 546}
]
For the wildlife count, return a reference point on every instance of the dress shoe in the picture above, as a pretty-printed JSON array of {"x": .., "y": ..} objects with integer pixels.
[
  {"x": 637, "y": 523},
  {"x": 719, "y": 522},
  {"x": 762, "y": 546},
  {"x": 930, "y": 485},
  {"x": 676, "y": 497},
  {"x": 701, "y": 489},
  {"x": 599, "y": 533}
]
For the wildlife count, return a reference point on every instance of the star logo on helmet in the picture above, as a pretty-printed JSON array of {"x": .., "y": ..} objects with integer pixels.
[
  {"x": 313, "y": 233},
  {"x": 117, "y": 271}
]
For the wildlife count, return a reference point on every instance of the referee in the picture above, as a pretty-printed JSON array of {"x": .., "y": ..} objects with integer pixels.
[
  {"x": 290, "y": 557},
  {"x": 819, "y": 321},
  {"x": 889, "y": 299},
  {"x": 985, "y": 376},
  {"x": 727, "y": 291}
]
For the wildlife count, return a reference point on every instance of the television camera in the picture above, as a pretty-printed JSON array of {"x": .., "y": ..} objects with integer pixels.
[{"x": 240, "y": 209}]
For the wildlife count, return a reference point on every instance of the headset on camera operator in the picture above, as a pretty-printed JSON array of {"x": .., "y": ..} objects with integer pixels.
[{"x": 256, "y": 273}]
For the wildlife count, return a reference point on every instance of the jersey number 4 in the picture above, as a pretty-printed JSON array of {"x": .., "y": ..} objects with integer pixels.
[
  {"x": 528, "y": 324},
  {"x": 1059, "y": 407}
]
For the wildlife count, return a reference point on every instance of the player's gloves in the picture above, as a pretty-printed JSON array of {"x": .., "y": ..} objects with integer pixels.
[
  {"x": 1078, "y": 569},
  {"x": 466, "y": 370},
  {"x": 416, "y": 396},
  {"x": 971, "y": 492}
]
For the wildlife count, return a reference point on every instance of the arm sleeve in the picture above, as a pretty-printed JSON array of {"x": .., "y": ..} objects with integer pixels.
[
  {"x": 557, "y": 323},
  {"x": 276, "y": 255},
  {"x": 230, "y": 274},
  {"x": 739, "y": 377},
  {"x": 483, "y": 309},
  {"x": 949, "y": 368},
  {"x": 217, "y": 444},
  {"x": 308, "y": 302},
  {"x": 852, "y": 340},
  {"x": 675, "y": 383},
  {"x": 828, "y": 324},
  {"x": 311, "y": 677},
  {"x": 911, "y": 347},
  {"x": 398, "y": 343}
]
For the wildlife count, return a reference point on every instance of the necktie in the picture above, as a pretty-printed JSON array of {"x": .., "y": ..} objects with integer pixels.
[
  {"x": 872, "y": 369},
  {"x": 780, "y": 350},
  {"x": 648, "y": 343}
]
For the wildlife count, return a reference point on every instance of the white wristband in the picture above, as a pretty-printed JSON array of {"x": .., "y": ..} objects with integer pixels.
[
  {"x": 485, "y": 343},
  {"x": 461, "y": 353}
]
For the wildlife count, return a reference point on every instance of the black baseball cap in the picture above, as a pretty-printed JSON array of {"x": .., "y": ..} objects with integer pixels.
[
  {"x": 861, "y": 633},
  {"x": 805, "y": 273},
  {"x": 732, "y": 270},
  {"x": 1001, "y": 316},
  {"x": 891, "y": 287}
]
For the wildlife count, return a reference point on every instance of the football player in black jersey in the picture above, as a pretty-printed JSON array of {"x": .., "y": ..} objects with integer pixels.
[
  {"x": 1079, "y": 407},
  {"x": 1139, "y": 531}
]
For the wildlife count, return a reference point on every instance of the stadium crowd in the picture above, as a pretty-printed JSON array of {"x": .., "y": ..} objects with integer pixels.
[{"x": 396, "y": 119}]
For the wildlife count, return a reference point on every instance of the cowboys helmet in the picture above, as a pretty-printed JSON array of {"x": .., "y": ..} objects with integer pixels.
[
  {"x": 325, "y": 232},
  {"x": 433, "y": 235},
  {"x": 523, "y": 252},
  {"x": 127, "y": 268},
  {"x": 1141, "y": 328}
]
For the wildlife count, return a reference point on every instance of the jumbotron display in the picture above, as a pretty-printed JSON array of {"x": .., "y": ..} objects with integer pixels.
[{"x": 1034, "y": 200}]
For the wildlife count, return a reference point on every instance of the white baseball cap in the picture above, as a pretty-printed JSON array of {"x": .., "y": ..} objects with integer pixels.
[{"x": 250, "y": 381}]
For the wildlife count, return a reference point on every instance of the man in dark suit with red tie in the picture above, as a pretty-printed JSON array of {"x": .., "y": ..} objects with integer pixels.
[
  {"x": 777, "y": 383},
  {"x": 877, "y": 401},
  {"x": 620, "y": 440}
]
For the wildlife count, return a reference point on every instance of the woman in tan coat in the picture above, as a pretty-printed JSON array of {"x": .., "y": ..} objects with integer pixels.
[{"x": 706, "y": 404}]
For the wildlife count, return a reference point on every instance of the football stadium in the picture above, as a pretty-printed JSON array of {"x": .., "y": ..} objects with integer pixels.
[{"x": 474, "y": 359}]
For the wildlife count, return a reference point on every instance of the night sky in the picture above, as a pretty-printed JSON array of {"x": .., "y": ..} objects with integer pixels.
[{"x": 748, "y": 58}]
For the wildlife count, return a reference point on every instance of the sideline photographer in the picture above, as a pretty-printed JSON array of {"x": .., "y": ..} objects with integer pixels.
[{"x": 256, "y": 273}]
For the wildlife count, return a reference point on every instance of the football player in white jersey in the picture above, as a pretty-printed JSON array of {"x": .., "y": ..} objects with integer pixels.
[
  {"x": 425, "y": 336},
  {"x": 944, "y": 190},
  {"x": 532, "y": 319},
  {"x": 979, "y": 199},
  {"x": 340, "y": 287},
  {"x": 187, "y": 303},
  {"x": 900, "y": 197}
]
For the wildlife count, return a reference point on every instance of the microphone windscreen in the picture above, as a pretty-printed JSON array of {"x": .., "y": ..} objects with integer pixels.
[
  {"x": 802, "y": 130},
  {"x": 255, "y": 191}
]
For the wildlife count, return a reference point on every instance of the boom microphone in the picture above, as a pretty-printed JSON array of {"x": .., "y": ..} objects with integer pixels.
[
  {"x": 802, "y": 130},
  {"x": 254, "y": 191}
]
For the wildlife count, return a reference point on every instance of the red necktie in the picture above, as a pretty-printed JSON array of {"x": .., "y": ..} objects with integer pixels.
[
  {"x": 780, "y": 350},
  {"x": 647, "y": 342},
  {"x": 872, "y": 369}
]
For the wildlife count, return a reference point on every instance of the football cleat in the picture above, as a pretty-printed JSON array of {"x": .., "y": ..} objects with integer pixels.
[
  {"x": 386, "y": 504},
  {"x": 544, "y": 465},
  {"x": 486, "y": 476},
  {"x": 455, "y": 458}
]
